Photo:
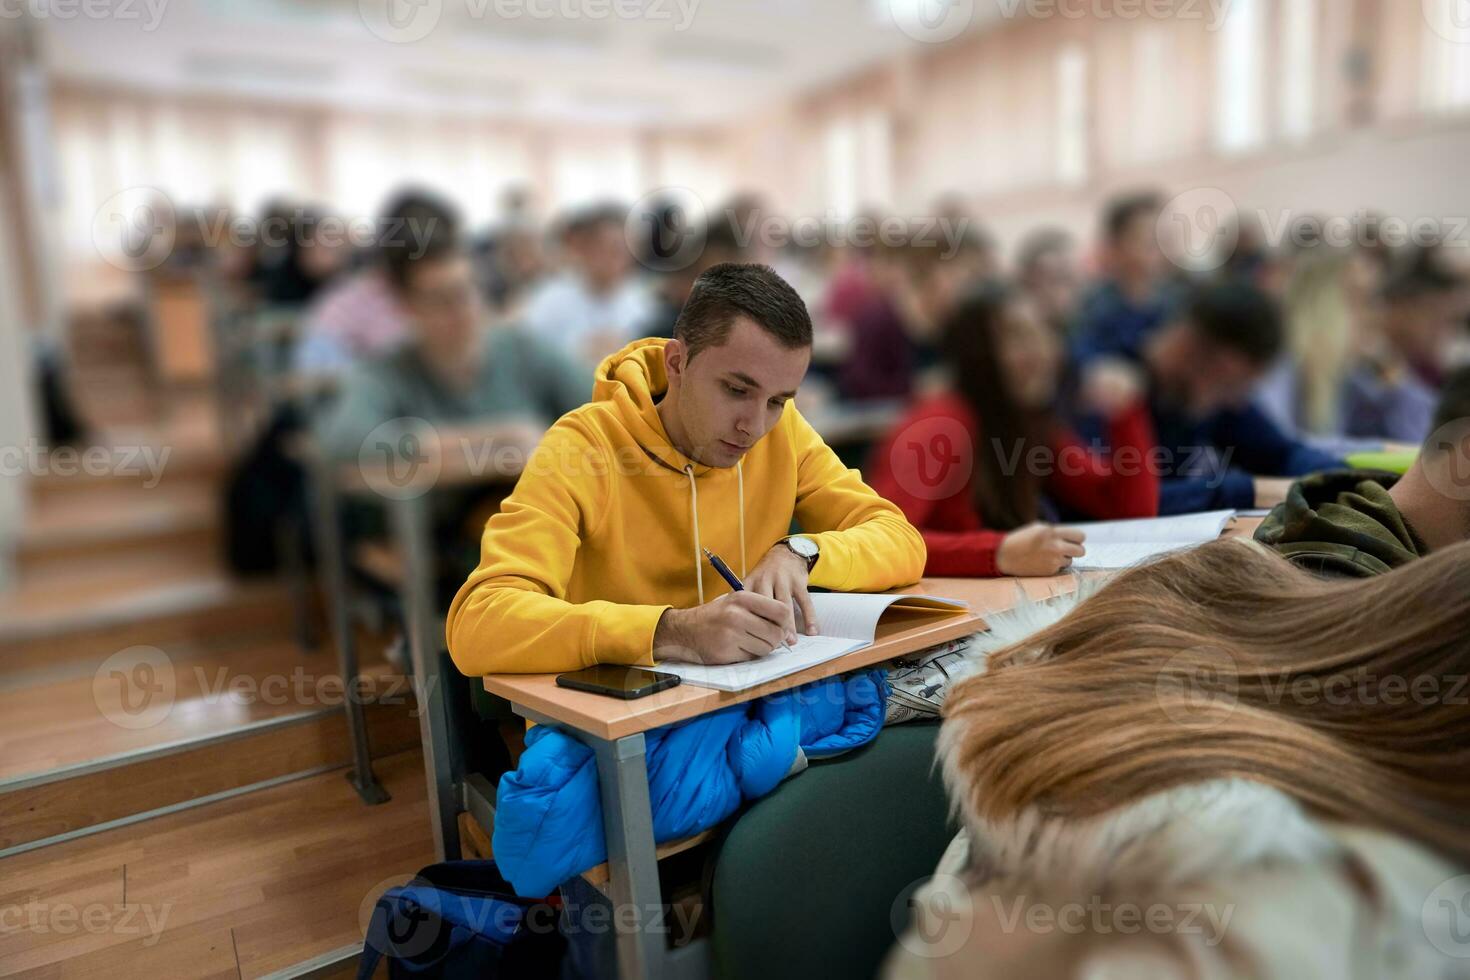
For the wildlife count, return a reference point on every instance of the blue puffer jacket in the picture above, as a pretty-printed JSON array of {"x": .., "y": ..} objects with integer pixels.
[{"x": 548, "y": 815}]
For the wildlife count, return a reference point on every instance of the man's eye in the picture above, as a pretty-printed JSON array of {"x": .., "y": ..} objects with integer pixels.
[
  {"x": 778, "y": 403},
  {"x": 734, "y": 390}
]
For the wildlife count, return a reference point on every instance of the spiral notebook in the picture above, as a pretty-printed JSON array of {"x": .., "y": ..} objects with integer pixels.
[{"x": 848, "y": 620}]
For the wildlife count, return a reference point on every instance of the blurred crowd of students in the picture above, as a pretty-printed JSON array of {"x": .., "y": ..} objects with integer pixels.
[{"x": 1077, "y": 381}]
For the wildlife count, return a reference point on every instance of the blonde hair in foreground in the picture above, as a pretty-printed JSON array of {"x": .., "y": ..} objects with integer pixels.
[{"x": 1228, "y": 661}]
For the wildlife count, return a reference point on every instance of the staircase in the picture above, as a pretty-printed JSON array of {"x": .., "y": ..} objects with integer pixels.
[{"x": 167, "y": 746}]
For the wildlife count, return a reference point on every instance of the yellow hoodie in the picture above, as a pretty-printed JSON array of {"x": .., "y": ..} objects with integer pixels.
[{"x": 604, "y": 529}]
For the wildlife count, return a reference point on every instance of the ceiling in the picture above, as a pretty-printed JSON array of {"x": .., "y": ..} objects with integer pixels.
[{"x": 657, "y": 62}]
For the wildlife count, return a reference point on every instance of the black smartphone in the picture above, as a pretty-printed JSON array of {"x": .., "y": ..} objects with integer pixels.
[{"x": 617, "y": 681}]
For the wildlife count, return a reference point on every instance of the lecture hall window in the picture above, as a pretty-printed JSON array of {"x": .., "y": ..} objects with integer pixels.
[
  {"x": 1072, "y": 116},
  {"x": 1446, "y": 56},
  {"x": 1298, "y": 67},
  {"x": 1238, "y": 78}
]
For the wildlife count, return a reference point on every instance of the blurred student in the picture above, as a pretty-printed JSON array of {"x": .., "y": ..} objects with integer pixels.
[
  {"x": 1004, "y": 365},
  {"x": 1046, "y": 271},
  {"x": 1391, "y": 392},
  {"x": 452, "y": 369},
  {"x": 1361, "y": 523},
  {"x": 894, "y": 338},
  {"x": 721, "y": 244},
  {"x": 1135, "y": 298},
  {"x": 597, "y": 303},
  {"x": 1217, "y": 449},
  {"x": 362, "y": 316},
  {"x": 293, "y": 262},
  {"x": 1328, "y": 302}
]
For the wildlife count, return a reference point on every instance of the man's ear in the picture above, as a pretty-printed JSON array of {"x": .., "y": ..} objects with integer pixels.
[{"x": 675, "y": 360}]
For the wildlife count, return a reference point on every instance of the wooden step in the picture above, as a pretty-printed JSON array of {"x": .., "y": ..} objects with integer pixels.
[
  {"x": 243, "y": 887},
  {"x": 75, "y": 626},
  {"x": 70, "y": 718},
  {"x": 39, "y": 809}
]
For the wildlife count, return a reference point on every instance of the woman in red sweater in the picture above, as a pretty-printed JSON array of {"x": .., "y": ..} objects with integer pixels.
[{"x": 977, "y": 467}]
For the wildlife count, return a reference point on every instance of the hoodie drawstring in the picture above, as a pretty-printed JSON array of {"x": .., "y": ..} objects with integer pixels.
[{"x": 694, "y": 517}]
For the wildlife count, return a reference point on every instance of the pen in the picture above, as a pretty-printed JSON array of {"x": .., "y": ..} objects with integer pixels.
[{"x": 729, "y": 577}]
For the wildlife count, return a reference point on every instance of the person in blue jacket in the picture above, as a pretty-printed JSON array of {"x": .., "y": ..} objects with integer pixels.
[
  {"x": 1136, "y": 297},
  {"x": 1216, "y": 449}
]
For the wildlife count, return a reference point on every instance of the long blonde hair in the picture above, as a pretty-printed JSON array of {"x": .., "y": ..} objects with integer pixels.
[
  {"x": 1319, "y": 329},
  {"x": 1227, "y": 661}
]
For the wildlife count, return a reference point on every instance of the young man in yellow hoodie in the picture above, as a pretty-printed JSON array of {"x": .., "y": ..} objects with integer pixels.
[{"x": 687, "y": 444}]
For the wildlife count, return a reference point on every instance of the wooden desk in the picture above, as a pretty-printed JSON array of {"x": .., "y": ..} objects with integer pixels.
[{"x": 615, "y": 729}]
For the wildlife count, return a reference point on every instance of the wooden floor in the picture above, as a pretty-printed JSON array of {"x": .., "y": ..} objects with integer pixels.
[{"x": 239, "y": 888}]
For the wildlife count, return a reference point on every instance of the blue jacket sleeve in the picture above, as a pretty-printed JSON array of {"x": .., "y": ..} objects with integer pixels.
[{"x": 1257, "y": 446}]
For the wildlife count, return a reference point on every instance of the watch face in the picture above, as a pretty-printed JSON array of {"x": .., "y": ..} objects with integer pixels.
[{"x": 805, "y": 547}]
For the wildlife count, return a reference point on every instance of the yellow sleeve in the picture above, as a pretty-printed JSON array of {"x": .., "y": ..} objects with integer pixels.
[
  {"x": 512, "y": 615},
  {"x": 865, "y": 542}
]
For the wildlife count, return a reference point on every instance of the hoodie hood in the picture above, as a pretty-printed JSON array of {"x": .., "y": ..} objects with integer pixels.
[
  {"x": 1342, "y": 522},
  {"x": 632, "y": 381}
]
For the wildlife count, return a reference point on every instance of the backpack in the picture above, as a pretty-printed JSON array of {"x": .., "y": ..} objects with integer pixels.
[{"x": 461, "y": 919}]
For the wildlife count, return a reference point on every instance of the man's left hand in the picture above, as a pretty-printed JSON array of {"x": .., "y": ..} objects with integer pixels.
[{"x": 781, "y": 575}]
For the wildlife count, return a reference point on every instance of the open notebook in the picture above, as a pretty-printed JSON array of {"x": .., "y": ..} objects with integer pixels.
[
  {"x": 1118, "y": 544},
  {"x": 849, "y": 621}
]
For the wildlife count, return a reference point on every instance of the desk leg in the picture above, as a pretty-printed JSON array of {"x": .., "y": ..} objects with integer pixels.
[
  {"x": 425, "y": 637},
  {"x": 627, "y": 821},
  {"x": 333, "y": 565}
]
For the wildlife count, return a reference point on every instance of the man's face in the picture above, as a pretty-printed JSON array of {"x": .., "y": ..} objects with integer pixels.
[
  {"x": 444, "y": 304},
  {"x": 731, "y": 395}
]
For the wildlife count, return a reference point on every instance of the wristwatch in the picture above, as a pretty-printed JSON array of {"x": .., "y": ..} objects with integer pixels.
[{"x": 803, "y": 547}]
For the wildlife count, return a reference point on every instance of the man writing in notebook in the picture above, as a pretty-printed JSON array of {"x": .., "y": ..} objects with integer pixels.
[{"x": 688, "y": 444}]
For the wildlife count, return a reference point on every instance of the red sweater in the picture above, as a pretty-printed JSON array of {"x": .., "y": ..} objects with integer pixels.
[{"x": 916, "y": 469}]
